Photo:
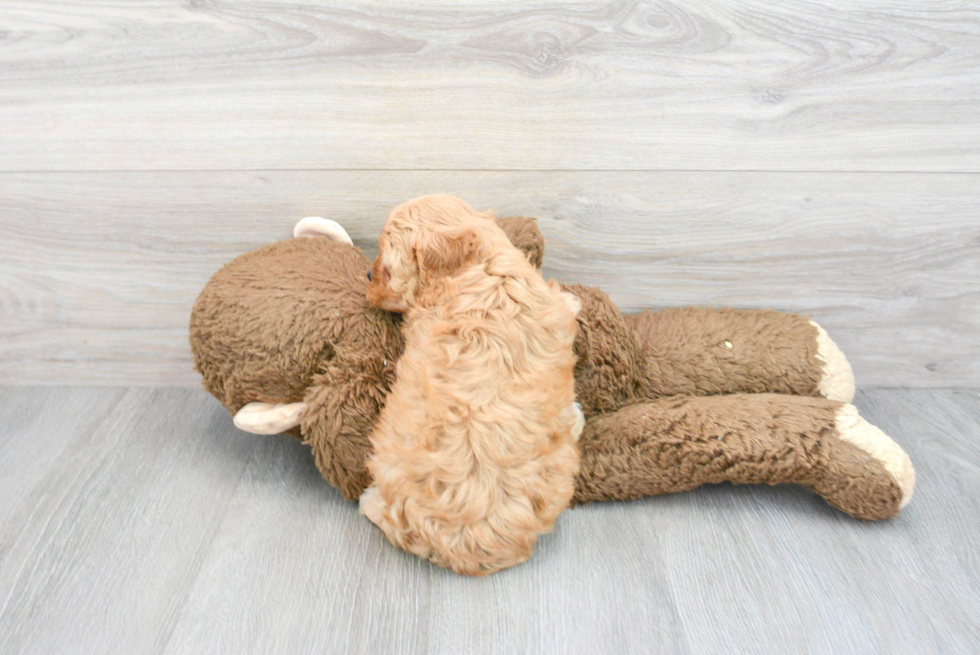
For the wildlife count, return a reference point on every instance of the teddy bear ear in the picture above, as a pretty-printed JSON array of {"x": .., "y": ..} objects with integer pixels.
[
  {"x": 313, "y": 226},
  {"x": 265, "y": 418}
]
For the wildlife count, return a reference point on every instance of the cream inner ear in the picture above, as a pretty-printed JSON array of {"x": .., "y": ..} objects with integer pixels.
[
  {"x": 313, "y": 226},
  {"x": 265, "y": 418}
]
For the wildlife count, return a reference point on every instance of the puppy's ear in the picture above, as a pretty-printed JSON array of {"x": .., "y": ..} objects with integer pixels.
[{"x": 442, "y": 253}]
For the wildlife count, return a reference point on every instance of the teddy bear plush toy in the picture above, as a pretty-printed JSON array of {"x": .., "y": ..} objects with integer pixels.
[{"x": 285, "y": 340}]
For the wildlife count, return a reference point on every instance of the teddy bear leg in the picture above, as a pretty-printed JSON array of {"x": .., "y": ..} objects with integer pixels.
[
  {"x": 865, "y": 439},
  {"x": 676, "y": 444},
  {"x": 696, "y": 351}
]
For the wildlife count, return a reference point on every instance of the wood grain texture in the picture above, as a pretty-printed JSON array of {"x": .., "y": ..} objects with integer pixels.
[
  {"x": 148, "y": 524},
  {"x": 109, "y": 524},
  {"x": 98, "y": 272},
  {"x": 819, "y": 157},
  {"x": 638, "y": 85}
]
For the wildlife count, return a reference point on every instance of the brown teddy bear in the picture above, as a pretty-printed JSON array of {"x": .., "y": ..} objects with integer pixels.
[{"x": 285, "y": 339}]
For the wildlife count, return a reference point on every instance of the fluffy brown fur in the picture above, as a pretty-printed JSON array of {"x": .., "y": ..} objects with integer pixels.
[
  {"x": 474, "y": 452},
  {"x": 662, "y": 392}
]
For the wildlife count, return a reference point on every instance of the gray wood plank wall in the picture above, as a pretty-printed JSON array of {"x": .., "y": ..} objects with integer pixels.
[{"x": 819, "y": 157}]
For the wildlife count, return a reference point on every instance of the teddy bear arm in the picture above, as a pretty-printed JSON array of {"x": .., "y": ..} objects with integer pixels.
[
  {"x": 696, "y": 351},
  {"x": 343, "y": 405},
  {"x": 338, "y": 437},
  {"x": 676, "y": 444}
]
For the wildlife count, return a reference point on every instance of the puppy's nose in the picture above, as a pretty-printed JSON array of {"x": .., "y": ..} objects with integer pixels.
[{"x": 369, "y": 276}]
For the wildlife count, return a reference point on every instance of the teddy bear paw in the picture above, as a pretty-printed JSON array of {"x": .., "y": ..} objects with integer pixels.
[
  {"x": 837, "y": 378},
  {"x": 858, "y": 432}
]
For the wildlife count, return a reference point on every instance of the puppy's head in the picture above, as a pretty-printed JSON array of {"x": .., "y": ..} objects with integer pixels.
[{"x": 423, "y": 240}]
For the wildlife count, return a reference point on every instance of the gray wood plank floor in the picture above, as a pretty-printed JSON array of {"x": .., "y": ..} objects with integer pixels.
[
  {"x": 814, "y": 156},
  {"x": 141, "y": 521}
]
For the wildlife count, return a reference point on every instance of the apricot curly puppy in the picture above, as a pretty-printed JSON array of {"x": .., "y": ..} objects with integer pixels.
[{"x": 474, "y": 453}]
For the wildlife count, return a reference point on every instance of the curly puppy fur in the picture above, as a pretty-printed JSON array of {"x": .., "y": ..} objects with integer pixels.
[{"x": 474, "y": 452}]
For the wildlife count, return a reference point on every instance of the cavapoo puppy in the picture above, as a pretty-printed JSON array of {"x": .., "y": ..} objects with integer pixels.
[{"x": 474, "y": 452}]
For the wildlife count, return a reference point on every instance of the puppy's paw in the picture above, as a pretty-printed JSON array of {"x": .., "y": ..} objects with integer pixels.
[
  {"x": 385, "y": 511},
  {"x": 572, "y": 301},
  {"x": 573, "y": 417},
  {"x": 373, "y": 506}
]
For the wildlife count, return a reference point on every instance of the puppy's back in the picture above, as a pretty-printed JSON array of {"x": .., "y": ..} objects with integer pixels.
[{"x": 480, "y": 456}]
